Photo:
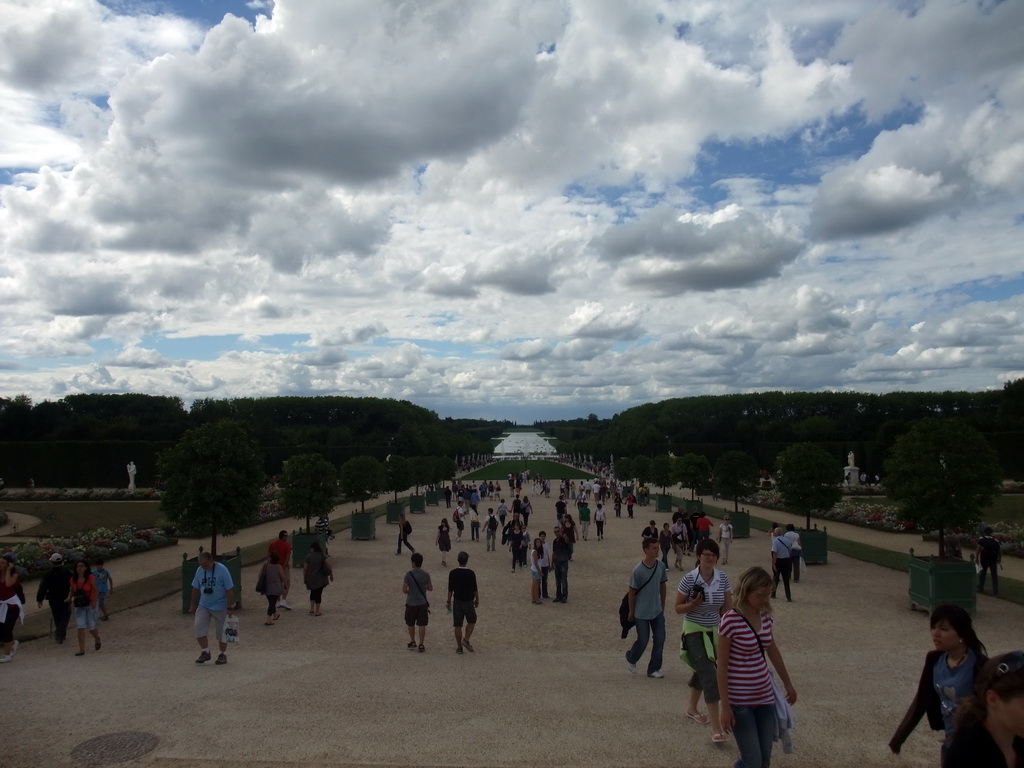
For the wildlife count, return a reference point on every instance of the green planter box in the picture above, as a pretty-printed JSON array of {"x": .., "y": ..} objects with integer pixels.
[
  {"x": 364, "y": 526},
  {"x": 815, "y": 546},
  {"x": 663, "y": 503},
  {"x": 301, "y": 542},
  {"x": 233, "y": 560},
  {"x": 740, "y": 524},
  {"x": 418, "y": 503},
  {"x": 935, "y": 582},
  {"x": 392, "y": 510},
  {"x": 691, "y": 505},
  {"x": 433, "y": 499}
]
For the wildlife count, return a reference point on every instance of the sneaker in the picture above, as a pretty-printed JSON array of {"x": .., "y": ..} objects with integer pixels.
[
  {"x": 5, "y": 658},
  {"x": 656, "y": 673},
  {"x": 203, "y": 657},
  {"x": 221, "y": 659},
  {"x": 459, "y": 650},
  {"x": 467, "y": 646},
  {"x": 631, "y": 666},
  {"x": 14, "y": 648},
  {"x": 411, "y": 646},
  {"x": 284, "y": 604}
]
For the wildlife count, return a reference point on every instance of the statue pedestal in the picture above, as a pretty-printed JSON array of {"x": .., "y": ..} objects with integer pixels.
[{"x": 851, "y": 475}]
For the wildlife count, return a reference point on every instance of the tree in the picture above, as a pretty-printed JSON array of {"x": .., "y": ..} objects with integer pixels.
[
  {"x": 663, "y": 471},
  {"x": 423, "y": 471},
  {"x": 943, "y": 473},
  {"x": 642, "y": 468},
  {"x": 735, "y": 476},
  {"x": 444, "y": 468},
  {"x": 809, "y": 478},
  {"x": 397, "y": 474},
  {"x": 693, "y": 471},
  {"x": 361, "y": 478},
  {"x": 623, "y": 468},
  {"x": 309, "y": 486},
  {"x": 212, "y": 479}
]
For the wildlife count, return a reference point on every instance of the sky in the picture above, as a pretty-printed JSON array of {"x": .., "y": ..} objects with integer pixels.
[{"x": 512, "y": 209}]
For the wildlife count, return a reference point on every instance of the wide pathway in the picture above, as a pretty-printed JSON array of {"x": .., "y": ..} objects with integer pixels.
[{"x": 547, "y": 684}]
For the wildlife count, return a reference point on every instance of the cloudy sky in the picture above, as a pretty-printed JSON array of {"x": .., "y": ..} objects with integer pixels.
[{"x": 512, "y": 208}]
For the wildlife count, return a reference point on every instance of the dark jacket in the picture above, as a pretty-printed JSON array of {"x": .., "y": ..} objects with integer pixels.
[
  {"x": 974, "y": 747},
  {"x": 55, "y": 585},
  {"x": 926, "y": 701}
]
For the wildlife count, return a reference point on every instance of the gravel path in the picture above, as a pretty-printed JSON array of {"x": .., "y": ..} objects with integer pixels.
[{"x": 547, "y": 685}]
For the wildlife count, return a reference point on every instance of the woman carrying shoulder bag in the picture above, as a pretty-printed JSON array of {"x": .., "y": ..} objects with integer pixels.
[{"x": 275, "y": 583}]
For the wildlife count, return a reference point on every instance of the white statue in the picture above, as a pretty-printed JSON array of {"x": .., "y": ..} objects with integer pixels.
[
  {"x": 131, "y": 475},
  {"x": 850, "y": 460}
]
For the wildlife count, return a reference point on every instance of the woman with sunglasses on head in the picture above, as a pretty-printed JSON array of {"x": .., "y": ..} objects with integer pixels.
[
  {"x": 948, "y": 675},
  {"x": 990, "y": 724}
]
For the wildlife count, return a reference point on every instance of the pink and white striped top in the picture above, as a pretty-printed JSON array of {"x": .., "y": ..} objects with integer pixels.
[{"x": 749, "y": 678}]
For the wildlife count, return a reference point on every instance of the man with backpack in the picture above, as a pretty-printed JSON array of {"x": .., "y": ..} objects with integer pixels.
[{"x": 491, "y": 529}]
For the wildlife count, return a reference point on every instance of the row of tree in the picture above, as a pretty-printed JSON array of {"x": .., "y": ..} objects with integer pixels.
[{"x": 213, "y": 478}]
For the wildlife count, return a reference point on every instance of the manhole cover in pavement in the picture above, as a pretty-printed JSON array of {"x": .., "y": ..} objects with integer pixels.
[{"x": 114, "y": 748}]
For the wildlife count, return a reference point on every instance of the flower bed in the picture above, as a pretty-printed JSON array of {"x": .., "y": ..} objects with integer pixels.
[
  {"x": 34, "y": 556},
  {"x": 83, "y": 494},
  {"x": 1009, "y": 536}
]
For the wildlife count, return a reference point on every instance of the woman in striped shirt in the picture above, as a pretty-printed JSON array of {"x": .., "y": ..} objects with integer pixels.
[{"x": 744, "y": 680}]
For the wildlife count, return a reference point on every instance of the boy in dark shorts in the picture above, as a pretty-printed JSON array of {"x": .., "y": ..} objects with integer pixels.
[
  {"x": 415, "y": 585},
  {"x": 463, "y": 600}
]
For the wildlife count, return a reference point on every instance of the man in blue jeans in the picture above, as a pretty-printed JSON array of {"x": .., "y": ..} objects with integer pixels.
[{"x": 647, "y": 608}]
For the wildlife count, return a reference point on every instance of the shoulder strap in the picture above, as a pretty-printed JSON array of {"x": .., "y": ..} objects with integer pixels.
[
  {"x": 417, "y": 583},
  {"x": 756, "y": 636},
  {"x": 649, "y": 578}
]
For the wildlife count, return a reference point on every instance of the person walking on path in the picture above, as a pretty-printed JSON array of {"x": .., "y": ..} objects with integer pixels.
[
  {"x": 463, "y": 600},
  {"x": 459, "y": 517},
  {"x": 474, "y": 524},
  {"x": 415, "y": 586},
  {"x": 630, "y": 503},
  {"x": 404, "y": 531},
  {"x": 665, "y": 543},
  {"x": 317, "y": 573},
  {"x": 704, "y": 594},
  {"x": 444, "y": 540},
  {"x": 274, "y": 582},
  {"x": 11, "y": 608},
  {"x": 491, "y": 529},
  {"x": 725, "y": 537},
  {"x": 947, "y": 678},
  {"x": 561, "y": 551},
  {"x": 679, "y": 539},
  {"x": 647, "y": 586},
  {"x": 991, "y": 728},
  {"x": 746, "y": 640},
  {"x": 526, "y": 510},
  {"x": 53, "y": 588},
  {"x": 796, "y": 549},
  {"x": 990, "y": 555},
  {"x": 536, "y": 556},
  {"x": 599, "y": 518},
  {"x": 782, "y": 562},
  {"x": 545, "y": 565},
  {"x": 213, "y": 600},
  {"x": 584, "y": 513},
  {"x": 84, "y": 596},
  {"x": 284, "y": 557},
  {"x": 105, "y": 584},
  {"x": 516, "y": 544}
]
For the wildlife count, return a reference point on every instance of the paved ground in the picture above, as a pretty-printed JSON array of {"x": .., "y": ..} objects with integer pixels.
[{"x": 547, "y": 684}]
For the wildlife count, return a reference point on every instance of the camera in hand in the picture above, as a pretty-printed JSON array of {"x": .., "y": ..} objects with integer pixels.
[
  {"x": 698, "y": 592},
  {"x": 207, "y": 590}
]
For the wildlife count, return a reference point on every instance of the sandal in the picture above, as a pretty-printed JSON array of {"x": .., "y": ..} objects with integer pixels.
[
  {"x": 698, "y": 717},
  {"x": 718, "y": 738}
]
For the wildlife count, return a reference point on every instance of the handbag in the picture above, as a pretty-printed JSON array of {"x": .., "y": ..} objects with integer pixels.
[
  {"x": 261, "y": 581},
  {"x": 80, "y": 601}
]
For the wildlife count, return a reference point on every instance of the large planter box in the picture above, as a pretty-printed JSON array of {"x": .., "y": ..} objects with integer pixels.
[
  {"x": 301, "y": 542},
  {"x": 740, "y": 524},
  {"x": 364, "y": 526},
  {"x": 418, "y": 503},
  {"x": 815, "y": 545},
  {"x": 433, "y": 499},
  {"x": 392, "y": 510},
  {"x": 663, "y": 503},
  {"x": 935, "y": 582},
  {"x": 692, "y": 505},
  {"x": 233, "y": 560}
]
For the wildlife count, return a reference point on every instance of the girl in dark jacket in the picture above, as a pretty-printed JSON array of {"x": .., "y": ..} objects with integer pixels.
[{"x": 948, "y": 675}]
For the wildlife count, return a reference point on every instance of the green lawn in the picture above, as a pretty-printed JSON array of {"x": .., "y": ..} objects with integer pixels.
[
  {"x": 552, "y": 469},
  {"x": 67, "y": 518},
  {"x": 1007, "y": 508}
]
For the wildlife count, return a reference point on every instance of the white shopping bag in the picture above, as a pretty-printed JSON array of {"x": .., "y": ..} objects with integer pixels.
[{"x": 231, "y": 629}]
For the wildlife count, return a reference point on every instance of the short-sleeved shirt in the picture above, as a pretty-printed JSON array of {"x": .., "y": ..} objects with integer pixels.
[
  {"x": 988, "y": 550},
  {"x": 952, "y": 685},
  {"x": 783, "y": 547},
  {"x": 749, "y": 678},
  {"x": 102, "y": 579},
  {"x": 417, "y": 595},
  {"x": 709, "y": 612},
  {"x": 648, "y": 598},
  {"x": 284, "y": 551},
  {"x": 462, "y": 584},
  {"x": 219, "y": 580},
  {"x": 704, "y": 524}
]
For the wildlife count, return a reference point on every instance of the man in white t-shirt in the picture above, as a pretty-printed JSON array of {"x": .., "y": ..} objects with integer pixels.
[{"x": 794, "y": 539}]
